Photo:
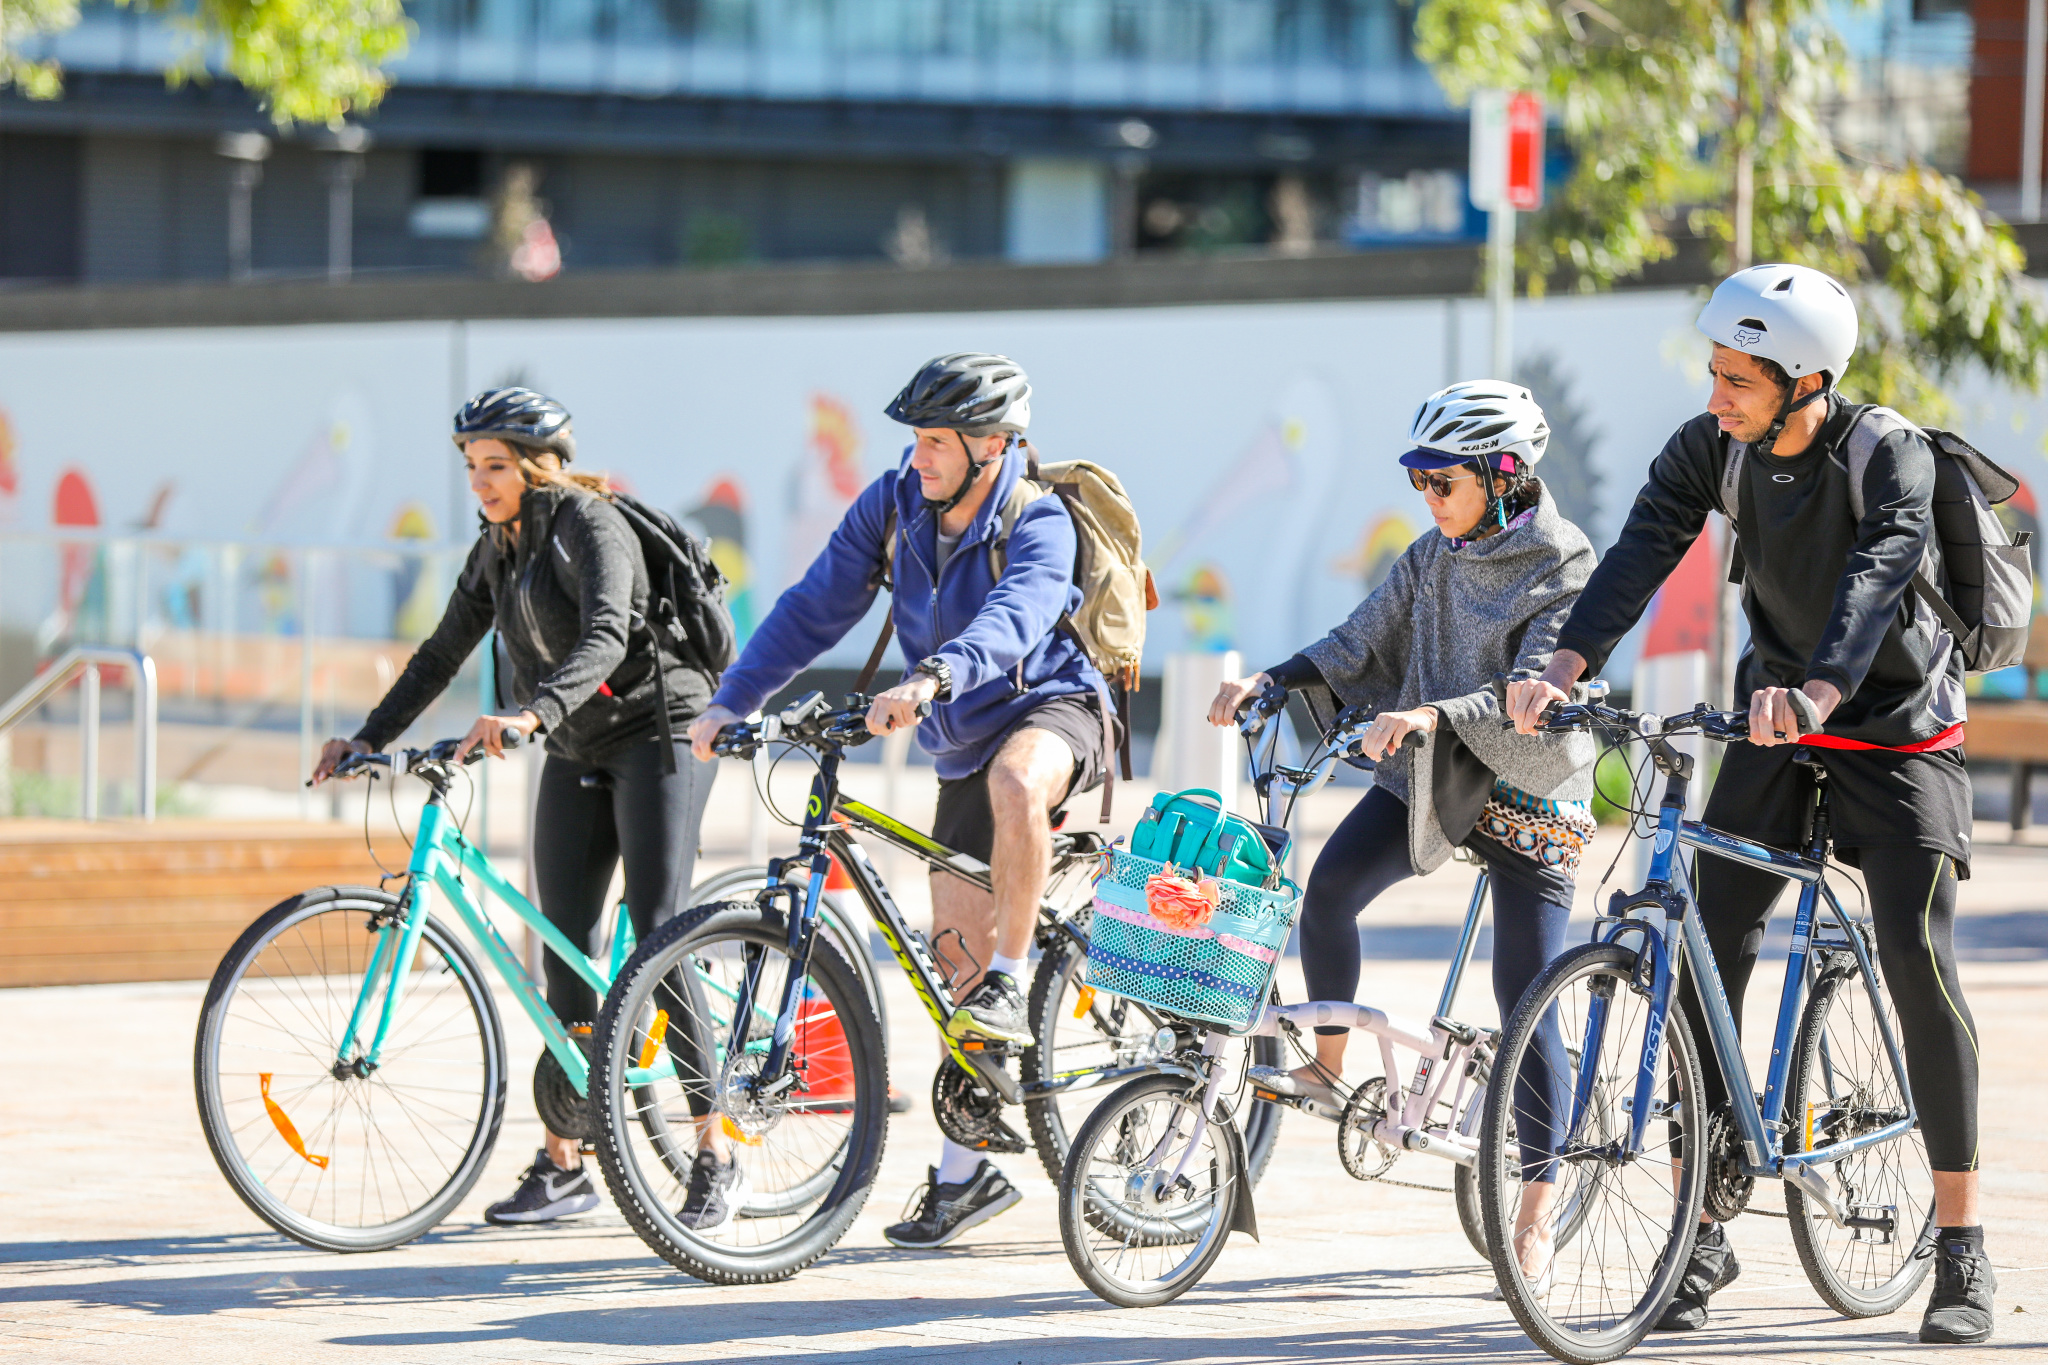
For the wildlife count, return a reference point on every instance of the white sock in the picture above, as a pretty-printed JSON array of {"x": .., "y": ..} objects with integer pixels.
[
  {"x": 1012, "y": 967},
  {"x": 957, "y": 1164}
]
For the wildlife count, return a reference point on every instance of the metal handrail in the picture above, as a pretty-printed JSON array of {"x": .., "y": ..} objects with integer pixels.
[{"x": 88, "y": 660}]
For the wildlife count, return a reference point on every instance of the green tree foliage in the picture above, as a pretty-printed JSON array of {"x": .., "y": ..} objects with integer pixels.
[
  {"x": 306, "y": 61},
  {"x": 1709, "y": 117}
]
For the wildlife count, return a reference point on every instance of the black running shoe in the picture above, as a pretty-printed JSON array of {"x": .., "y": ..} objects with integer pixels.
[
  {"x": 545, "y": 1192},
  {"x": 1959, "y": 1314},
  {"x": 943, "y": 1212},
  {"x": 717, "y": 1191},
  {"x": 994, "y": 1009},
  {"x": 1713, "y": 1267}
]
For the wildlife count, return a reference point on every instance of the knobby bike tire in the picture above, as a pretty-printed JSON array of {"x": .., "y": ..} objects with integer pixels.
[
  {"x": 1051, "y": 1002},
  {"x": 1891, "y": 1166},
  {"x": 615, "y": 1036},
  {"x": 212, "y": 1098},
  {"x": 1566, "y": 1343}
]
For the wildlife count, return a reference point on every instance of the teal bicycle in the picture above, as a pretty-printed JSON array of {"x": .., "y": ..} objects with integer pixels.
[{"x": 350, "y": 1063}]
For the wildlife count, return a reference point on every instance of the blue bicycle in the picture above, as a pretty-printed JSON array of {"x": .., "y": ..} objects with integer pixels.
[{"x": 1598, "y": 1091}]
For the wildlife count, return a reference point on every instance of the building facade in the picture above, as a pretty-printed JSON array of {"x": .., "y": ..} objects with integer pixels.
[{"x": 651, "y": 133}]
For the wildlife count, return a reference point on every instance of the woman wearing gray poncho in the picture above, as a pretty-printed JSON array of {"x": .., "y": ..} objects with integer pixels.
[{"x": 1484, "y": 593}]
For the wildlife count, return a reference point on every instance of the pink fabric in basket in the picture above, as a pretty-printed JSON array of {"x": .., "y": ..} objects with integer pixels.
[{"x": 1145, "y": 921}]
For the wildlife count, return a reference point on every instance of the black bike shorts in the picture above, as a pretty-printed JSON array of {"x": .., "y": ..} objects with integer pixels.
[
  {"x": 966, "y": 823},
  {"x": 1876, "y": 798}
]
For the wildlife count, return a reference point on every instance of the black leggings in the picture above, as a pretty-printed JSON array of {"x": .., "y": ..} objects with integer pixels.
[
  {"x": 1913, "y": 907},
  {"x": 1369, "y": 853},
  {"x": 648, "y": 817}
]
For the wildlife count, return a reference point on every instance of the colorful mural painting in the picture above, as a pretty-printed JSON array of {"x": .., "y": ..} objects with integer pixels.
[
  {"x": 822, "y": 484},
  {"x": 1386, "y": 536},
  {"x": 721, "y": 519}
]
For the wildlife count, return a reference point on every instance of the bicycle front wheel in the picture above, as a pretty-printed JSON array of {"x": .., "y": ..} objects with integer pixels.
[
  {"x": 667, "y": 1083},
  {"x": 1146, "y": 1201},
  {"x": 326, "y": 1148},
  {"x": 1075, "y": 1029},
  {"x": 1841, "y": 1085},
  {"x": 1625, "y": 1224}
]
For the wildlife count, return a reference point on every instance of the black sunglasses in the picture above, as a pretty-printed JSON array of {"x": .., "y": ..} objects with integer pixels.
[{"x": 1435, "y": 482}]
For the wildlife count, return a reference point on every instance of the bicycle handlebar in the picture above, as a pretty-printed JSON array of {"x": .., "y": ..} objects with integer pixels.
[
  {"x": 804, "y": 721},
  {"x": 412, "y": 760}
]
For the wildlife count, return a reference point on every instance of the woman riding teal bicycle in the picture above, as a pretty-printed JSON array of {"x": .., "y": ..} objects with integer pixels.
[
  {"x": 1483, "y": 594},
  {"x": 560, "y": 574}
]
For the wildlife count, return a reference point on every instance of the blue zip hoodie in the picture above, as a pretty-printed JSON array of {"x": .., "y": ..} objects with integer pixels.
[{"x": 998, "y": 637}]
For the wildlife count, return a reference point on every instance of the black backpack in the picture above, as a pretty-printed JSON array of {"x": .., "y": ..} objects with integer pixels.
[
  {"x": 685, "y": 590},
  {"x": 686, "y": 612}
]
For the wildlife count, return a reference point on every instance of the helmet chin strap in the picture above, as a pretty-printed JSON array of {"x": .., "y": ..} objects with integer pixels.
[
  {"x": 940, "y": 507},
  {"x": 1768, "y": 442}
]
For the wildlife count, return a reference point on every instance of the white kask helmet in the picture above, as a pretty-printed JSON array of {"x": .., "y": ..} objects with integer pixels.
[
  {"x": 1801, "y": 318},
  {"x": 1478, "y": 419}
]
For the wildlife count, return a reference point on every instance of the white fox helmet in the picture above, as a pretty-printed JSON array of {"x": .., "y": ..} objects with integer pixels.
[
  {"x": 1800, "y": 318},
  {"x": 1480, "y": 419}
]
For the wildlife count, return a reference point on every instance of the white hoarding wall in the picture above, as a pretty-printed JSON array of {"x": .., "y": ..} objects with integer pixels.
[{"x": 1258, "y": 440}]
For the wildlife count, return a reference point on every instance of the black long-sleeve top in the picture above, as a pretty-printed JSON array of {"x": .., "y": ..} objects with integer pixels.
[
  {"x": 1827, "y": 597},
  {"x": 565, "y": 601}
]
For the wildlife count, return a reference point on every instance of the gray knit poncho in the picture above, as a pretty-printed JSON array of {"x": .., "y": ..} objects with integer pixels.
[{"x": 1434, "y": 634}]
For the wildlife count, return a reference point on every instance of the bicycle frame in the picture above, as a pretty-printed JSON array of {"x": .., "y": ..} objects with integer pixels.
[
  {"x": 443, "y": 858},
  {"x": 1444, "y": 1048},
  {"x": 1683, "y": 941},
  {"x": 831, "y": 821}
]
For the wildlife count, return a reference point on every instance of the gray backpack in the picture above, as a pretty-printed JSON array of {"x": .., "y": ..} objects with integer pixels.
[{"x": 1989, "y": 601}]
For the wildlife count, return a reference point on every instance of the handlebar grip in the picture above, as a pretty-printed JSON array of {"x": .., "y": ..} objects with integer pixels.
[
  {"x": 1412, "y": 740},
  {"x": 924, "y": 709}
]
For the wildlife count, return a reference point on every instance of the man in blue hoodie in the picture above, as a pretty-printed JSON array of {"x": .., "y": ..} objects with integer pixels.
[{"x": 1016, "y": 727}]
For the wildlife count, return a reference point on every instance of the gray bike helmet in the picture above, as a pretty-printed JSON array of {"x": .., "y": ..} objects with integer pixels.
[
  {"x": 971, "y": 392},
  {"x": 520, "y": 416}
]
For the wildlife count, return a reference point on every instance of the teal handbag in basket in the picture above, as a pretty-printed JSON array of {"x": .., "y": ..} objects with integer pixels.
[{"x": 1192, "y": 830}]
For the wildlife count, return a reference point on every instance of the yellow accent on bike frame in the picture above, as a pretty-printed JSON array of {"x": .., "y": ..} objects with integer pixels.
[
  {"x": 931, "y": 1004},
  {"x": 283, "y": 1123},
  {"x": 655, "y": 1033}
]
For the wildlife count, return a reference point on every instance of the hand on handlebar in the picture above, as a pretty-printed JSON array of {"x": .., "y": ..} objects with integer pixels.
[
  {"x": 1390, "y": 729},
  {"x": 1774, "y": 716},
  {"x": 705, "y": 729},
  {"x": 903, "y": 705},
  {"x": 332, "y": 753},
  {"x": 489, "y": 733},
  {"x": 1528, "y": 699},
  {"x": 1233, "y": 696}
]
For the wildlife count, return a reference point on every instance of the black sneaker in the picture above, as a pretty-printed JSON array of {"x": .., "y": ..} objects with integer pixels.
[
  {"x": 545, "y": 1192},
  {"x": 1959, "y": 1314},
  {"x": 994, "y": 1009},
  {"x": 1713, "y": 1267},
  {"x": 946, "y": 1211},
  {"x": 717, "y": 1191}
]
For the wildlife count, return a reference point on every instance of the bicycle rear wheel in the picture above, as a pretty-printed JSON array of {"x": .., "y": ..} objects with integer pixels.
[
  {"x": 345, "y": 1157},
  {"x": 1145, "y": 1205},
  {"x": 1842, "y": 1084},
  {"x": 1631, "y": 1222},
  {"x": 810, "y": 1154},
  {"x": 1076, "y": 1029}
]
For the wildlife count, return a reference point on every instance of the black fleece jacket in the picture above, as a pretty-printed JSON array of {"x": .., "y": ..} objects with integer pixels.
[
  {"x": 568, "y": 603},
  {"x": 1826, "y": 597}
]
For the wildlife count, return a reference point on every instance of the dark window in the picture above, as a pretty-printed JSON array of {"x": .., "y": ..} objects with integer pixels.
[
  {"x": 451, "y": 173},
  {"x": 39, "y": 207}
]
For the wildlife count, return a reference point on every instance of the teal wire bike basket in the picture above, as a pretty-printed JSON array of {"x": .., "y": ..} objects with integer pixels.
[{"x": 1218, "y": 973}]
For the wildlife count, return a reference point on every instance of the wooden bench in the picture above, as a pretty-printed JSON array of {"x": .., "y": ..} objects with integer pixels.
[
  {"x": 124, "y": 901},
  {"x": 2016, "y": 732}
]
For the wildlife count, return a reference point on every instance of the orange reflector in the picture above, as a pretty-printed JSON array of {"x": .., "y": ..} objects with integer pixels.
[
  {"x": 1084, "y": 1002},
  {"x": 732, "y": 1131},
  {"x": 652, "y": 1047},
  {"x": 284, "y": 1124},
  {"x": 1809, "y": 1126}
]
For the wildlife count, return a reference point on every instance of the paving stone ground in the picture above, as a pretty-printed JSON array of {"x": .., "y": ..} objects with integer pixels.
[{"x": 119, "y": 1242}]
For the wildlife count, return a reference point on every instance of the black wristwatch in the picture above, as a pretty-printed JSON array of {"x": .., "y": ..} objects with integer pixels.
[{"x": 940, "y": 672}]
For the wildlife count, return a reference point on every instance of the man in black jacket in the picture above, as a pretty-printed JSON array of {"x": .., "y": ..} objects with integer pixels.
[{"x": 1837, "y": 640}]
